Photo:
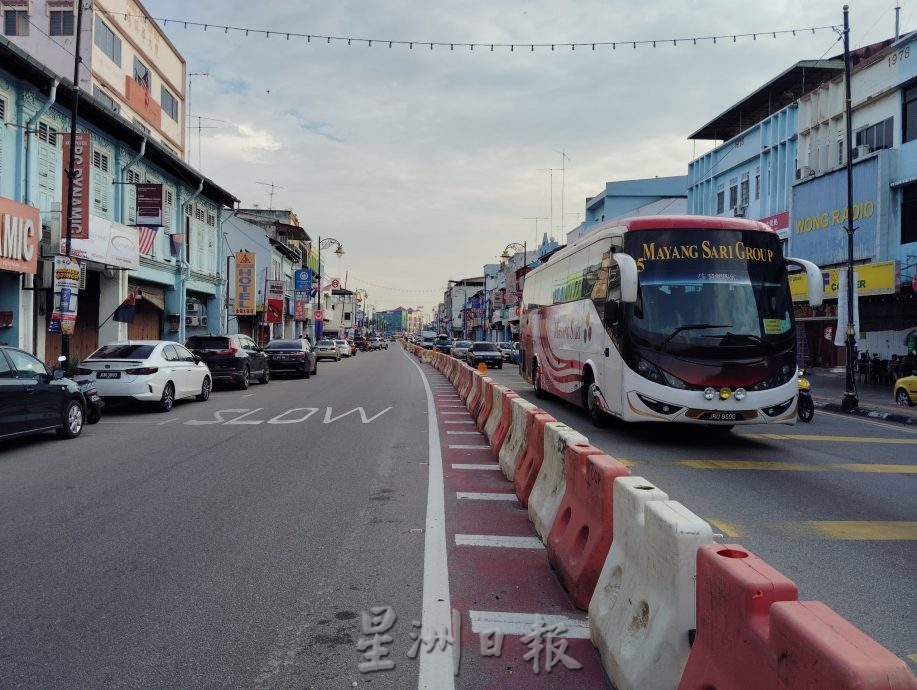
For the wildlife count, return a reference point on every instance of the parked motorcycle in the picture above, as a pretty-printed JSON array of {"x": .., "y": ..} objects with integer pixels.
[
  {"x": 805, "y": 408},
  {"x": 94, "y": 402}
]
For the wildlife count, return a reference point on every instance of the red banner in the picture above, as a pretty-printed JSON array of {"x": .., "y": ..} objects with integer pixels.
[
  {"x": 274, "y": 312},
  {"x": 299, "y": 310},
  {"x": 79, "y": 228}
]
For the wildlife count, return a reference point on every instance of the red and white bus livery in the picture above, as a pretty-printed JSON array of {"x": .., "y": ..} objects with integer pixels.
[{"x": 667, "y": 318}]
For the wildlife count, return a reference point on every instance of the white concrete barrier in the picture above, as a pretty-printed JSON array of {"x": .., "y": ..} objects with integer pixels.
[
  {"x": 644, "y": 603},
  {"x": 496, "y": 411},
  {"x": 522, "y": 411},
  {"x": 548, "y": 490}
]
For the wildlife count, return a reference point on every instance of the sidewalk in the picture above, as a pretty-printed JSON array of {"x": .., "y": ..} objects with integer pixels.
[{"x": 875, "y": 401}]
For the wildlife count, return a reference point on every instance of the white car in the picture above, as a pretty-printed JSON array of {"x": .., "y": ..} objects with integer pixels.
[
  {"x": 148, "y": 370},
  {"x": 343, "y": 347}
]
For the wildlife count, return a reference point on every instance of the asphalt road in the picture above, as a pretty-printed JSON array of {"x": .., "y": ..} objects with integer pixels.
[
  {"x": 831, "y": 504},
  {"x": 174, "y": 550}
]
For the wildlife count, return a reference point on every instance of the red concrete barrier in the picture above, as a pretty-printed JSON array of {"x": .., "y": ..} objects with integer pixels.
[
  {"x": 474, "y": 397},
  {"x": 580, "y": 538},
  {"x": 530, "y": 463},
  {"x": 753, "y": 634},
  {"x": 466, "y": 383},
  {"x": 485, "y": 405},
  {"x": 506, "y": 421}
]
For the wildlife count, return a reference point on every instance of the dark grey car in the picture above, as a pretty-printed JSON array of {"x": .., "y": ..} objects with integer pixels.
[
  {"x": 488, "y": 353},
  {"x": 291, "y": 357}
]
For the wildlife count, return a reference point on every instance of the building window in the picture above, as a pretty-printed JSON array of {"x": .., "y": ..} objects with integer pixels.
[
  {"x": 879, "y": 136},
  {"x": 100, "y": 161},
  {"x": 743, "y": 194},
  {"x": 169, "y": 104},
  {"x": 909, "y": 126},
  {"x": 909, "y": 214},
  {"x": 757, "y": 186},
  {"x": 104, "y": 98},
  {"x": 733, "y": 196},
  {"x": 199, "y": 214},
  {"x": 2, "y": 111},
  {"x": 47, "y": 134},
  {"x": 141, "y": 74},
  {"x": 16, "y": 23},
  {"x": 61, "y": 22},
  {"x": 107, "y": 42},
  {"x": 133, "y": 177},
  {"x": 720, "y": 201},
  {"x": 211, "y": 220}
]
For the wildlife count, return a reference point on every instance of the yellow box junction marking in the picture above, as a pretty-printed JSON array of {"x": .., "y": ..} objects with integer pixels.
[
  {"x": 857, "y": 530},
  {"x": 765, "y": 465},
  {"x": 729, "y": 529},
  {"x": 833, "y": 439}
]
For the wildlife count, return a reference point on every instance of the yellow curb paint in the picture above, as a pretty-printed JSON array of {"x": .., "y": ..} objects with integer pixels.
[
  {"x": 912, "y": 657},
  {"x": 729, "y": 529},
  {"x": 857, "y": 530},
  {"x": 833, "y": 439},
  {"x": 764, "y": 465}
]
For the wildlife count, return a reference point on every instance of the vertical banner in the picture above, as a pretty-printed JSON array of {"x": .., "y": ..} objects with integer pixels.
[
  {"x": 66, "y": 291},
  {"x": 81, "y": 201},
  {"x": 245, "y": 284},
  {"x": 840, "y": 333},
  {"x": 273, "y": 306}
]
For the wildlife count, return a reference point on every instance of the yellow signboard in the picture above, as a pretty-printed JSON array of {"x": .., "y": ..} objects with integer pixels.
[
  {"x": 872, "y": 279},
  {"x": 245, "y": 284}
]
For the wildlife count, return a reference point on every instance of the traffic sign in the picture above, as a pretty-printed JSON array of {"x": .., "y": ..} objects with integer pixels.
[
  {"x": 335, "y": 284},
  {"x": 318, "y": 314}
]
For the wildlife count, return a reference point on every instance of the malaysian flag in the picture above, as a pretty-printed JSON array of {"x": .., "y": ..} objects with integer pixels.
[{"x": 147, "y": 238}]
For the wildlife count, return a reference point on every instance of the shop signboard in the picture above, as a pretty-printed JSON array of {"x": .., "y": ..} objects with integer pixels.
[
  {"x": 66, "y": 292},
  {"x": 20, "y": 229},
  {"x": 80, "y": 227},
  {"x": 149, "y": 204},
  {"x": 244, "y": 302},
  {"x": 108, "y": 243},
  {"x": 872, "y": 279},
  {"x": 818, "y": 226}
]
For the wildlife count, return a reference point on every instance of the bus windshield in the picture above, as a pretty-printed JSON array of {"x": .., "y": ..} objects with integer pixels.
[{"x": 700, "y": 289}]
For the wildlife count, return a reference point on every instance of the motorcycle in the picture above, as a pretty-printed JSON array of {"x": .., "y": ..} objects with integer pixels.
[
  {"x": 94, "y": 402},
  {"x": 805, "y": 408}
]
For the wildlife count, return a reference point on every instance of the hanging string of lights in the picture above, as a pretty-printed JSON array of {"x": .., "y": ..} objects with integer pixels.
[
  {"x": 452, "y": 45},
  {"x": 360, "y": 281}
]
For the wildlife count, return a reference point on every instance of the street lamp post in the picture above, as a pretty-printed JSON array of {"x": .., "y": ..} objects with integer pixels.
[
  {"x": 850, "y": 401},
  {"x": 515, "y": 246},
  {"x": 324, "y": 244}
]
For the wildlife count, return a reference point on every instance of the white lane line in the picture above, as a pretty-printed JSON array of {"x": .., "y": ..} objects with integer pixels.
[
  {"x": 497, "y": 541},
  {"x": 459, "y": 421},
  {"x": 464, "y": 433},
  {"x": 445, "y": 413},
  {"x": 479, "y": 496},
  {"x": 163, "y": 423},
  {"x": 521, "y": 623},
  {"x": 436, "y": 670},
  {"x": 470, "y": 447},
  {"x": 469, "y": 466}
]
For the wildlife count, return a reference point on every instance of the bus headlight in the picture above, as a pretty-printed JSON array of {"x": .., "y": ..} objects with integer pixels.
[
  {"x": 725, "y": 393},
  {"x": 674, "y": 381},
  {"x": 739, "y": 394},
  {"x": 709, "y": 393},
  {"x": 648, "y": 370}
]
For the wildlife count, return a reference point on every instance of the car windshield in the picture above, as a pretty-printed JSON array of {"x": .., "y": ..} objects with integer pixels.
[
  {"x": 325, "y": 343},
  {"x": 122, "y": 351},
  {"x": 284, "y": 345},
  {"x": 484, "y": 347},
  {"x": 463, "y": 343},
  {"x": 340, "y": 342},
  {"x": 198, "y": 342}
]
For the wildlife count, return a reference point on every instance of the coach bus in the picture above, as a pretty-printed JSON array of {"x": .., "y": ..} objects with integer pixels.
[{"x": 667, "y": 318}]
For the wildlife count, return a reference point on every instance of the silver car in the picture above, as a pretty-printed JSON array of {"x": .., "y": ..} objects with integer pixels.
[
  {"x": 326, "y": 349},
  {"x": 460, "y": 349}
]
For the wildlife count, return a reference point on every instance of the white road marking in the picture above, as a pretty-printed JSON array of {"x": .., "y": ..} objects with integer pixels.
[
  {"x": 478, "y": 496},
  {"x": 459, "y": 421},
  {"x": 497, "y": 541},
  {"x": 470, "y": 447},
  {"x": 436, "y": 670},
  {"x": 464, "y": 433},
  {"x": 445, "y": 413},
  {"x": 468, "y": 466},
  {"x": 166, "y": 421},
  {"x": 521, "y": 623}
]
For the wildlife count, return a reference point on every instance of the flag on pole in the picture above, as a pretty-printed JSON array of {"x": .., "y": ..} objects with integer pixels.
[
  {"x": 147, "y": 238},
  {"x": 176, "y": 242},
  {"x": 126, "y": 310}
]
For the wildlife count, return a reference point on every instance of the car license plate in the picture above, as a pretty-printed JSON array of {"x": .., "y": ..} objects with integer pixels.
[
  {"x": 720, "y": 416},
  {"x": 108, "y": 375},
  {"x": 280, "y": 357}
]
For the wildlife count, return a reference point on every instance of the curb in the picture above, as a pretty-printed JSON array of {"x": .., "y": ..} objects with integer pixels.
[{"x": 868, "y": 412}]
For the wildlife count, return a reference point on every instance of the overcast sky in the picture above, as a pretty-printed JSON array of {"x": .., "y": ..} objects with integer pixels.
[{"x": 425, "y": 164}]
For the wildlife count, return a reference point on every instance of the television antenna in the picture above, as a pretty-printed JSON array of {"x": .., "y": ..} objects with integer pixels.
[
  {"x": 200, "y": 118},
  {"x": 273, "y": 187},
  {"x": 191, "y": 76},
  {"x": 563, "y": 178}
]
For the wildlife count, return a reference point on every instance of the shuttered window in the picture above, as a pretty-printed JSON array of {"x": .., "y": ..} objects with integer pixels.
[{"x": 101, "y": 184}]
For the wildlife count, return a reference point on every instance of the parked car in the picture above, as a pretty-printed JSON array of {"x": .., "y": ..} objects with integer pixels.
[
  {"x": 344, "y": 348},
  {"x": 353, "y": 346},
  {"x": 460, "y": 349},
  {"x": 906, "y": 391},
  {"x": 293, "y": 356},
  {"x": 326, "y": 349},
  {"x": 506, "y": 349},
  {"x": 34, "y": 398},
  {"x": 147, "y": 370},
  {"x": 232, "y": 359},
  {"x": 488, "y": 353}
]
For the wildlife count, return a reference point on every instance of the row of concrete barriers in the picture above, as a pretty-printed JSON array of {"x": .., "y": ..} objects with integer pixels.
[{"x": 668, "y": 606}]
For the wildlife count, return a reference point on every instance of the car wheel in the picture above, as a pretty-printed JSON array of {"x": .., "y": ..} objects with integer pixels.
[
  {"x": 305, "y": 372},
  {"x": 315, "y": 369},
  {"x": 73, "y": 419},
  {"x": 246, "y": 373},
  {"x": 167, "y": 401},
  {"x": 204, "y": 395},
  {"x": 902, "y": 398},
  {"x": 266, "y": 376},
  {"x": 500, "y": 366},
  {"x": 537, "y": 383}
]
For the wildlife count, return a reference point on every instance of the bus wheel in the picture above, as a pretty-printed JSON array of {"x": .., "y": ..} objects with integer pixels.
[
  {"x": 536, "y": 382},
  {"x": 590, "y": 390}
]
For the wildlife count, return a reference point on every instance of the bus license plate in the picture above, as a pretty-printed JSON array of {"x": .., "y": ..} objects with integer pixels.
[{"x": 720, "y": 416}]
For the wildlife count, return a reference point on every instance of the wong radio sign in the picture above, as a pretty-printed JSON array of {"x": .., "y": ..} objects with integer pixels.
[{"x": 245, "y": 284}]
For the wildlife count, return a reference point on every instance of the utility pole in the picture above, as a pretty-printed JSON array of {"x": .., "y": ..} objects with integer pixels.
[{"x": 850, "y": 401}]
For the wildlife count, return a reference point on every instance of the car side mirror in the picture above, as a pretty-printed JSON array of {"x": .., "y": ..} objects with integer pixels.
[
  {"x": 612, "y": 312},
  {"x": 197, "y": 360},
  {"x": 57, "y": 373}
]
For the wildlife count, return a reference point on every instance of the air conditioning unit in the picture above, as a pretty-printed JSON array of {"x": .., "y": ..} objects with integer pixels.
[
  {"x": 203, "y": 321},
  {"x": 738, "y": 211},
  {"x": 862, "y": 150},
  {"x": 191, "y": 307},
  {"x": 192, "y": 321},
  {"x": 804, "y": 171}
]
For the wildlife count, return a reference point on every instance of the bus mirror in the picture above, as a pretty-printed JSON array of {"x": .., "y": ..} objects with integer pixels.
[
  {"x": 813, "y": 278},
  {"x": 610, "y": 316},
  {"x": 628, "y": 271}
]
